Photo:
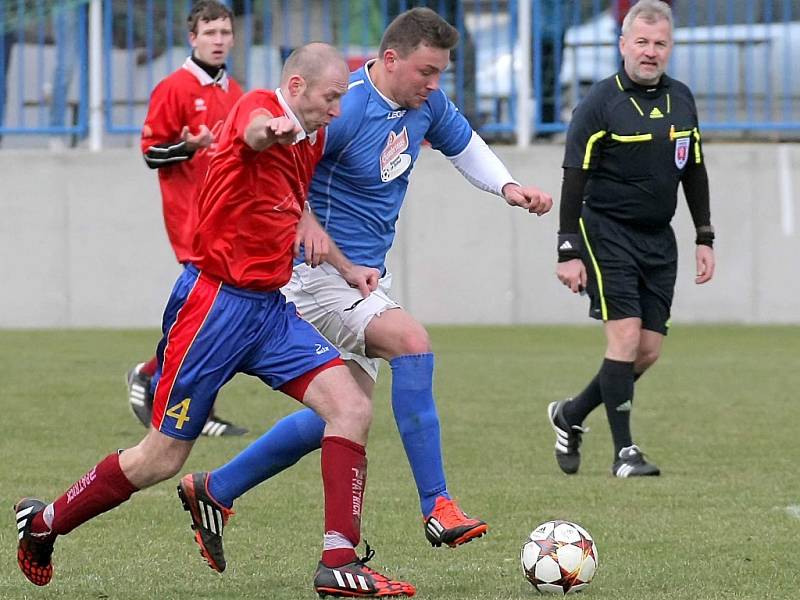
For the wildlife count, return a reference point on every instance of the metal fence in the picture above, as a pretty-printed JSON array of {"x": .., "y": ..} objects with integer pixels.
[{"x": 736, "y": 55}]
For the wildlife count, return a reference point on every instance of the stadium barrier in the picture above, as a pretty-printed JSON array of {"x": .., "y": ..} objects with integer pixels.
[
  {"x": 89, "y": 226},
  {"x": 508, "y": 85}
]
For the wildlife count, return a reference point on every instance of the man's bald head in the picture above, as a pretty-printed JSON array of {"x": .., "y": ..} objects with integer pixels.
[
  {"x": 311, "y": 61},
  {"x": 313, "y": 81}
]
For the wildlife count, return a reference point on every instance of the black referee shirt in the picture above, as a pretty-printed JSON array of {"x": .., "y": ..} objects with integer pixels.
[{"x": 637, "y": 143}]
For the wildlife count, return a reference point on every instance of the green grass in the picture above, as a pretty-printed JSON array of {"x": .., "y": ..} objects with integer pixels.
[{"x": 718, "y": 414}]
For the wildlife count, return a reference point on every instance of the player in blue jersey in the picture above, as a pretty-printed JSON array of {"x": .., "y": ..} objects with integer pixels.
[{"x": 394, "y": 103}]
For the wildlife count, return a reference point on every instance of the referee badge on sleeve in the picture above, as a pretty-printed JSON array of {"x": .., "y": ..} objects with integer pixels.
[{"x": 681, "y": 152}]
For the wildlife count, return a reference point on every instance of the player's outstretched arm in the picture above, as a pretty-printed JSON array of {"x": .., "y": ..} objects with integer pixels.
[
  {"x": 264, "y": 130},
  {"x": 484, "y": 169},
  {"x": 365, "y": 279},
  {"x": 530, "y": 198}
]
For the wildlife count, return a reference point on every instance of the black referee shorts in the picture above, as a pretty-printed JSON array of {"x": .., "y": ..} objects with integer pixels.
[{"x": 631, "y": 271}]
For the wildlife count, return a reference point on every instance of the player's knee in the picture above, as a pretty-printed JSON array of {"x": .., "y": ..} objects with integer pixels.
[
  {"x": 414, "y": 341},
  {"x": 147, "y": 464},
  {"x": 352, "y": 412}
]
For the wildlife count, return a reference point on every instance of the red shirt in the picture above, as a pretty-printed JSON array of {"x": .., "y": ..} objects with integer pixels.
[
  {"x": 189, "y": 96},
  {"x": 250, "y": 202}
]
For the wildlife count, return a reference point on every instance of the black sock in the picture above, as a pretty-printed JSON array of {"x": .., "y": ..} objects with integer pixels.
[
  {"x": 616, "y": 383},
  {"x": 576, "y": 410}
]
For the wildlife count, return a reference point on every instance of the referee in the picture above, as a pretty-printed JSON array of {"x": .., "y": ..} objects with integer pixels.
[{"x": 631, "y": 141}]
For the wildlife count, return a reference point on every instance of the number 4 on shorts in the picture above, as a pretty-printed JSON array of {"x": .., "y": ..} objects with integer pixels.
[{"x": 179, "y": 412}]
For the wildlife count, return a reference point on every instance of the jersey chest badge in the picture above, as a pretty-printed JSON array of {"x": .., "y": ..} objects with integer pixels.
[
  {"x": 681, "y": 151},
  {"x": 200, "y": 104},
  {"x": 393, "y": 160}
]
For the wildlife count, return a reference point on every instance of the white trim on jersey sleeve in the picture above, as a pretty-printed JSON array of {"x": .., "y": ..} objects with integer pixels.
[{"x": 482, "y": 167}]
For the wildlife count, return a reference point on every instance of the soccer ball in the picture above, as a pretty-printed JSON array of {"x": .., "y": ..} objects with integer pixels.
[{"x": 559, "y": 557}]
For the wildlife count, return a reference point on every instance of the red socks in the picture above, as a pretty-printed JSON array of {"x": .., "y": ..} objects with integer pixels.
[
  {"x": 344, "y": 476},
  {"x": 149, "y": 368},
  {"x": 101, "y": 489}
]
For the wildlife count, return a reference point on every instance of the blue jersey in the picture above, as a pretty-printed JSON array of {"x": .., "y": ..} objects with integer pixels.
[{"x": 359, "y": 185}]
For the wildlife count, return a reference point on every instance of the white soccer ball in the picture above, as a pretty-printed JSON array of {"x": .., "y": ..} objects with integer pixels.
[{"x": 559, "y": 557}]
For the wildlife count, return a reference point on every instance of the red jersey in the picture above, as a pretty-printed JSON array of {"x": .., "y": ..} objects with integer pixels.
[
  {"x": 250, "y": 202},
  {"x": 188, "y": 97}
]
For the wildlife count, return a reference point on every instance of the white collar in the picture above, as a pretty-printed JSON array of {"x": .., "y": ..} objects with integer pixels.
[
  {"x": 204, "y": 78},
  {"x": 392, "y": 104},
  {"x": 312, "y": 137}
]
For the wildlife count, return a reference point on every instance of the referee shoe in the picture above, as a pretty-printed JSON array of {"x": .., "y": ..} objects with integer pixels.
[
  {"x": 568, "y": 438},
  {"x": 631, "y": 463}
]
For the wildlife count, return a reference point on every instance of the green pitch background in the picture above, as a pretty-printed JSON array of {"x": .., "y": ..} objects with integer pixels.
[{"x": 718, "y": 414}]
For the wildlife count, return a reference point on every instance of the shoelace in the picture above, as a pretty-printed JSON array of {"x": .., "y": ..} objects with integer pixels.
[
  {"x": 451, "y": 512},
  {"x": 370, "y": 553},
  {"x": 577, "y": 431}
]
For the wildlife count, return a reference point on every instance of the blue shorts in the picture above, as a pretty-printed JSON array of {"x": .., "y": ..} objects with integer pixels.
[{"x": 213, "y": 331}]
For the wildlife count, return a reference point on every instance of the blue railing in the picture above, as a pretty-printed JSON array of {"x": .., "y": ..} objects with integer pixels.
[
  {"x": 44, "y": 67},
  {"x": 736, "y": 55}
]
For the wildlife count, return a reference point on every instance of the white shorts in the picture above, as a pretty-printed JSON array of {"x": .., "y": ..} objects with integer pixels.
[{"x": 339, "y": 312}]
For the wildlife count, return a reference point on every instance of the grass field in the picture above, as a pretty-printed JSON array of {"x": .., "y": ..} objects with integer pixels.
[{"x": 718, "y": 414}]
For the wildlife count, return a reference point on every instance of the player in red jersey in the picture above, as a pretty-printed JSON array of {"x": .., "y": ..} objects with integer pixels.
[
  {"x": 185, "y": 114},
  {"x": 226, "y": 315}
]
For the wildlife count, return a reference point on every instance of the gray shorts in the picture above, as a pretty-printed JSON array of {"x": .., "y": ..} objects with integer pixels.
[{"x": 339, "y": 312}]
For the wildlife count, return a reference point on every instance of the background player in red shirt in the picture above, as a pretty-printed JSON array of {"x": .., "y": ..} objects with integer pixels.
[
  {"x": 186, "y": 112},
  {"x": 226, "y": 315}
]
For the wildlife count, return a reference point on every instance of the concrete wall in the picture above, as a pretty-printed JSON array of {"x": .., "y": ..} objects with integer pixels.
[{"x": 82, "y": 242}]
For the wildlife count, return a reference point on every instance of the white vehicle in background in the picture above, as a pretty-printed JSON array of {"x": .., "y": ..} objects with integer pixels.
[
  {"x": 738, "y": 68},
  {"x": 739, "y": 72}
]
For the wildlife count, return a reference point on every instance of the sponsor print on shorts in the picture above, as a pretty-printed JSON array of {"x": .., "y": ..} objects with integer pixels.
[{"x": 393, "y": 160}]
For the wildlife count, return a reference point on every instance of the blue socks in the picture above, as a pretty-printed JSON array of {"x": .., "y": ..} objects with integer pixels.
[
  {"x": 300, "y": 433},
  {"x": 289, "y": 440},
  {"x": 418, "y": 424}
]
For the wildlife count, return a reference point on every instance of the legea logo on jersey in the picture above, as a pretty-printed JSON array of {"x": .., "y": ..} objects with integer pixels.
[
  {"x": 200, "y": 104},
  {"x": 393, "y": 161}
]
